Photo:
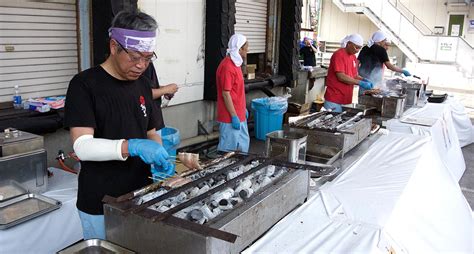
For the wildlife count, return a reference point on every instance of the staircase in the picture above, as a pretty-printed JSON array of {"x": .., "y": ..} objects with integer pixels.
[
  {"x": 324, "y": 57},
  {"x": 413, "y": 37}
]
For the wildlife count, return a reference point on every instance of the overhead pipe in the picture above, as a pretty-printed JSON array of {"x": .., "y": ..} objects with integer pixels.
[{"x": 278, "y": 80}]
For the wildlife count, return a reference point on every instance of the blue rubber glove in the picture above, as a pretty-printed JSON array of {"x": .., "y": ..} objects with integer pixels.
[
  {"x": 236, "y": 122},
  {"x": 150, "y": 152},
  {"x": 168, "y": 171},
  {"x": 246, "y": 114},
  {"x": 406, "y": 73},
  {"x": 367, "y": 85}
]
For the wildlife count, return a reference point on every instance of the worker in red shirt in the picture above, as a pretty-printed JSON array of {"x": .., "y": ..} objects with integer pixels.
[
  {"x": 342, "y": 74},
  {"x": 232, "y": 113}
]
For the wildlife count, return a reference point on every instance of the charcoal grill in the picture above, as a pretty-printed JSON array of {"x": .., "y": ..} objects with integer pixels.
[
  {"x": 331, "y": 130},
  {"x": 223, "y": 210}
]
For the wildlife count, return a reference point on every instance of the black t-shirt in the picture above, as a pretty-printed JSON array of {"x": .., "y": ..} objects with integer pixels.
[
  {"x": 371, "y": 61},
  {"x": 309, "y": 58},
  {"x": 151, "y": 74},
  {"x": 116, "y": 109}
]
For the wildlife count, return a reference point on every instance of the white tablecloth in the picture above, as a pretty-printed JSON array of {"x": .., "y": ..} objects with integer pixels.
[
  {"x": 462, "y": 122},
  {"x": 50, "y": 232},
  {"x": 398, "y": 196},
  {"x": 443, "y": 133}
]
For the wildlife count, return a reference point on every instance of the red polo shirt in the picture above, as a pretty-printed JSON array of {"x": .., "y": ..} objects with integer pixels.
[
  {"x": 229, "y": 77},
  {"x": 337, "y": 91}
]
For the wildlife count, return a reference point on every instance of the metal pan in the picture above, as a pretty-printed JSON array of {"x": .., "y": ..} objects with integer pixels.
[
  {"x": 25, "y": 207},
  {"x": 10, "y": 189},
  {"x": 95, "y": 246}
]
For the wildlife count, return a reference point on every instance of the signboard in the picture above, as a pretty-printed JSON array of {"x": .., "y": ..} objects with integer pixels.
[{"x": 447, "y": 47}]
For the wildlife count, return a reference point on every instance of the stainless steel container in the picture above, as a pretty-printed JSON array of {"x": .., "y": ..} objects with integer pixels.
[
  {"x": 393, "y": 107},
  {"x": 16, "y": 142},
  {"x": 95, "y": 246},
  {"x": 23, "y": 160},
  {"x": 290, "y": 146},
  {"x": 371, "y": 101},
  {"x": 26, "y": 169},
  {"x": 412, "y": 95}
]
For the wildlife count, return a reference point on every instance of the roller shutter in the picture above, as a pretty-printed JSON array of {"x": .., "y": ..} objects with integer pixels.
[
  {"x": 38, "y": 47},
  {"x": 251, "y": 21}
]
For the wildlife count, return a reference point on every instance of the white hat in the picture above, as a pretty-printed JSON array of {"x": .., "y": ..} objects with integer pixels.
[
  {"x": 354, "y": 38},
  {"x": 376, "y": 37},
  {"x": 236, "y": 41}
]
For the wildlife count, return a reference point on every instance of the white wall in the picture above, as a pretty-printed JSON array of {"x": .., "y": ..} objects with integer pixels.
[
  {"x": 431, "y": 12},
  {"x": 336, "y": 24},
  {"x": 435, "y": 13},
  {"x": 180, "y": 45}
]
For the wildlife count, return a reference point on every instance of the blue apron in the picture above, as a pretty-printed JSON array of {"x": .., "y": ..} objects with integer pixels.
[{"x": 231, "y": 139}]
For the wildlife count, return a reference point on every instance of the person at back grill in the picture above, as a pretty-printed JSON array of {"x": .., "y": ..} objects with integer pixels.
[
  {"x": 232, "y": 113},
  {"x": 112, "y": 120},
  {"x": 342, "y": 74},
  {"x": 308, "y": 52},
  {"x": 373, "y": 59}
]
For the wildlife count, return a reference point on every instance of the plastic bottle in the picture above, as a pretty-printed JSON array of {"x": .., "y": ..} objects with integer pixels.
[{"x": 17, "y": 98}]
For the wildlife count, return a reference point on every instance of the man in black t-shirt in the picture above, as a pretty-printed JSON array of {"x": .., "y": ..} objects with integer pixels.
[
  {"x": 113, "y": 120},
  {"x": 373, "y": 58},
  {"x": 157, "y": 91}
]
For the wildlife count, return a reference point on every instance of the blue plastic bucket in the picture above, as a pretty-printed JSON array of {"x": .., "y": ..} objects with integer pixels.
[
  {"x": 268, "y": 115},
  {"x": 171, "y": 140}
]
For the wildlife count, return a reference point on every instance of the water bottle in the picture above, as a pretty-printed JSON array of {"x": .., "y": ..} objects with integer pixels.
[{"x": 17, "y": 98}]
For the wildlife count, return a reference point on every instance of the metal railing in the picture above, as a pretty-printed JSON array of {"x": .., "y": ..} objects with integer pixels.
[
  {"x": 424, "y": 29},
  {"x": 429, "y": 47}
]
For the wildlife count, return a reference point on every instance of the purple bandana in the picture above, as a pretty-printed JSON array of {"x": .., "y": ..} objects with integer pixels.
[{"x": 141, "y": 41}]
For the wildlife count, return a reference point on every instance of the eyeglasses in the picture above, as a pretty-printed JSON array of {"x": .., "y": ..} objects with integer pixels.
[
  {"x": 356, "y": 47},
  {"x": 137, "y": 59}
]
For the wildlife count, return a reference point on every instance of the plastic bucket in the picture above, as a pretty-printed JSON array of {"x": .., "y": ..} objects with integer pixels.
[
  {"x": 171, "y": 140},
  {"x": 268, "y": 114}
]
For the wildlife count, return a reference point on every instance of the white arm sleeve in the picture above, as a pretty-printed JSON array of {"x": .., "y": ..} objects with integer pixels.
[{"x": 88, "y": 148}]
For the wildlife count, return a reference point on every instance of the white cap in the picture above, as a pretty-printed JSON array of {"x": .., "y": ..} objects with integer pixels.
[{"x": 354, "y": 38}]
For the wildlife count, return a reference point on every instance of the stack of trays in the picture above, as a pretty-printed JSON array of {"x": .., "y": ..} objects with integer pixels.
[{"x": 18, "y": 206}]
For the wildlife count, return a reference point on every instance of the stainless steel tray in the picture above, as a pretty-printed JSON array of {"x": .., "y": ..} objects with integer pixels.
[
  {"x": 10, "y": 189},
  {"x": 24, "y": 208},
  {"x": 95, "y": 246}
]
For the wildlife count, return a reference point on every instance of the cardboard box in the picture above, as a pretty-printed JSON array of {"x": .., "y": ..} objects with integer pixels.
[
  {"x": 251, "y": 71},
  {"x": 297, "y": 108}
]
